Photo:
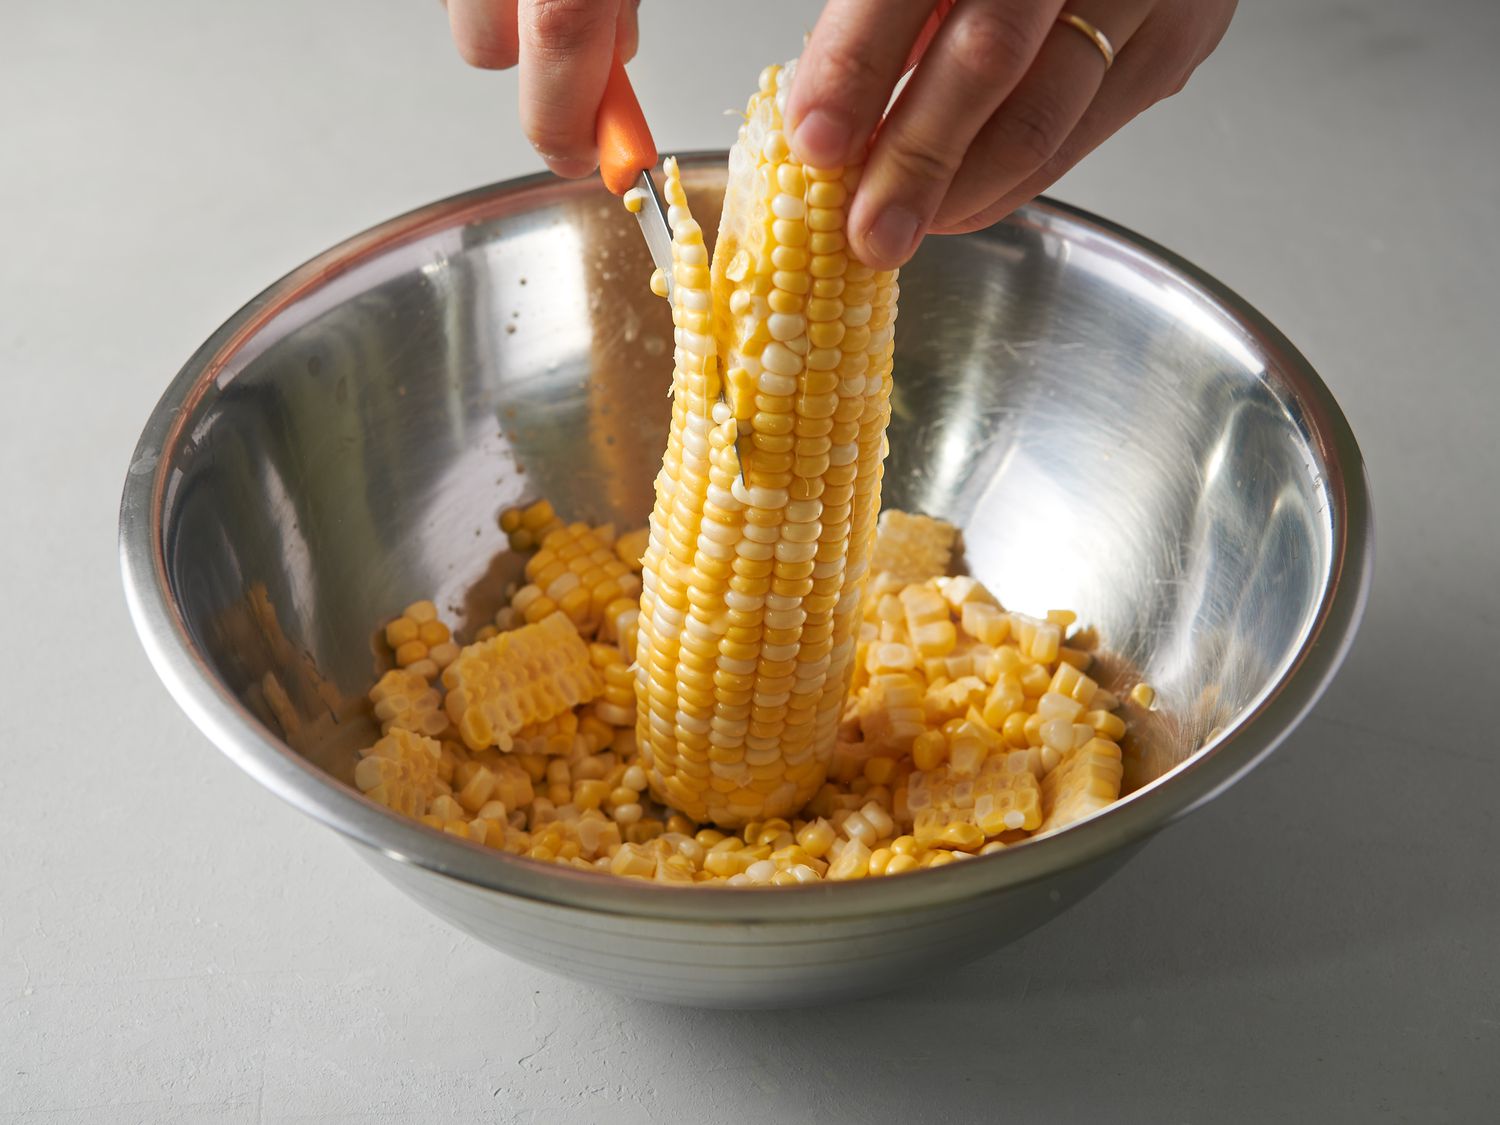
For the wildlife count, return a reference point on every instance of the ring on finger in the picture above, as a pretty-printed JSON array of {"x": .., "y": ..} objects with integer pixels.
[{"x": 1092, "y": 33}]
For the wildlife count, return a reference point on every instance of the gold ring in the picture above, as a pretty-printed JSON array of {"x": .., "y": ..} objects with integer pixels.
[{"x": 1095, "y": 36}]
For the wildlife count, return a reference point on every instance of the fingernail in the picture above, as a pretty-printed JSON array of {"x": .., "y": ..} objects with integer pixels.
[
  {"x": 821, "y": 138},
  {"x": 893, "y": 235},
  {"x": 568, "y": 167}
]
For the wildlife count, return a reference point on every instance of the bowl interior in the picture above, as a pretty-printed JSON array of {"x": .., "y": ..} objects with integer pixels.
[{"x": 1111, "y": 437}]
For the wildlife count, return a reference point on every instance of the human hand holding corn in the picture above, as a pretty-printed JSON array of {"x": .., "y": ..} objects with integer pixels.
[{"x": 1011, "y": 93}]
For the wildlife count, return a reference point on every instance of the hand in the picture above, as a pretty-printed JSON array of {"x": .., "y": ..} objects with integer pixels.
[
  {"x": 564, "y": 48},
  {"x": 1004, "y": 101}
]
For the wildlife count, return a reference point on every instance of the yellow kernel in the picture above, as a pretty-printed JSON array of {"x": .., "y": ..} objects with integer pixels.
[
  {"x": 400, "y": 631},
  {"x": 929, "y": 750},
  {"x": 410, "y": 653},
  {"x": 899, "y": 864},
  {"x": 421, "y": 612},
  {"x": 432, "y": 633},
  {"x": 962, "y": 835},
  {"x": 816, "y": 837}
]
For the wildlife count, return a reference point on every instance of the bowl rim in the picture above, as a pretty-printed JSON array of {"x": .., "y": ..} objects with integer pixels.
[{"x": 237, "y": 733}]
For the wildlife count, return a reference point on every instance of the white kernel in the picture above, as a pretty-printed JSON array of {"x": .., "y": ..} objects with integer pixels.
[
  {"x": 779, "y": 385},
  {"x": 779, "y": 358},
  {"x": 824, "y": 359},
  {"x": 786, "y": 206},
  {"x": 796, "y": 552},
  {"x": 786, "y": 326},
  {"x": 768, "y": 498}
]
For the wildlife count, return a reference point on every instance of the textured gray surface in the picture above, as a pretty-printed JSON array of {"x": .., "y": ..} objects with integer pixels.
[{"x": 176, "y": 945}]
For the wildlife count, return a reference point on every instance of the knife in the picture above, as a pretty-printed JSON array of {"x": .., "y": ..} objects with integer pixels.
[{"x": 627, "y": 154}]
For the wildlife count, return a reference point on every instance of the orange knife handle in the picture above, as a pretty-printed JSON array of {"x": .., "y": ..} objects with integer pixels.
[
  {"x": 625, "y": 145},
  {"x": 929, "y": 30}
]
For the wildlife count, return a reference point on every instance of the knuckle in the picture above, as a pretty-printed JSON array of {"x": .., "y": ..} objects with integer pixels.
[
  {"x": 918, "y": 160},
  {"x": 990, "y": 41},
  {"x": 1035, "y": 128},
  {"x": 844, "y": 75},
  {"x": 559, "y": 27}
]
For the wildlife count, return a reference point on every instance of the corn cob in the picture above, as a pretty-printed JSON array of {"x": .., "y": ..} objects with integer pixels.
[{"x": 752, "y": 589}]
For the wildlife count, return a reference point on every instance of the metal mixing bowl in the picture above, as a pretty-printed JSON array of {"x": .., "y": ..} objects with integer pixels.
[{"x": 1116, "y": 433}]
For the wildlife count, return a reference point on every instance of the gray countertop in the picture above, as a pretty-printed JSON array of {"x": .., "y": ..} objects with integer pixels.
[{"x": 177, "y": 945}]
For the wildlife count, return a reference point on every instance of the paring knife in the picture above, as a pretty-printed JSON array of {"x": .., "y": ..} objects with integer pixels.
[{"x": 627, "y": 154}]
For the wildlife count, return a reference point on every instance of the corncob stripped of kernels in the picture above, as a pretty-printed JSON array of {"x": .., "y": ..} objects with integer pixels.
[{"x": 752, "y": 588}]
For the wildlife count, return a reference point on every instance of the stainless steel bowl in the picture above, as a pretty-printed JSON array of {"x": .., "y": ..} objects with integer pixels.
[{"x": 1115, "y": 431}]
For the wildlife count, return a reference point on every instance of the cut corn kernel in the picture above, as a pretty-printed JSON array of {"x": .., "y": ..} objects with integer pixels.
[
  {"x": 404, "y": 700},
  {"x": 913, "y": 548},
  {"x": 1086, "y": 781},
  {"x": 419, "y": 641},
  {"x": 527, "y": 527}
]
